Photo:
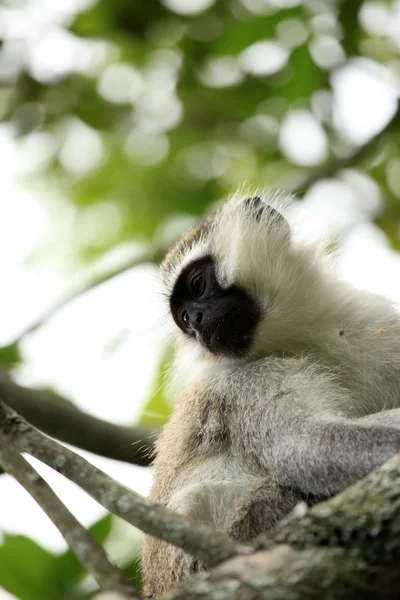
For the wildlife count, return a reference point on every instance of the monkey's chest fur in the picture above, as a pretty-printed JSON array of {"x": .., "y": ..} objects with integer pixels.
[
  {"x": 197, "y": 472},
  {"x": 208, "y": 464}
]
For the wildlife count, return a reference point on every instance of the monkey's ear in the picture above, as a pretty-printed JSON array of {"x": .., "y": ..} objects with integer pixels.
[
  {"x": 273, "y": 216},
  {"x": 256, "y": 206},
  {"x": 278, "y": 223}
]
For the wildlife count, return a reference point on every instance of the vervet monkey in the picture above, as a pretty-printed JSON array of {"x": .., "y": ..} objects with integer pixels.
[{"x": 297, "y": 388}]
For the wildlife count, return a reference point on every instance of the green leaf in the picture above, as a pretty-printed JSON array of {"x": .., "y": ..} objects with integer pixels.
[
  {"x": 134, "y": 572},
  {"x": 349, "y": 20},
  {"x": 101, "y": 530},
  {"x": 239, "y": 33},
  {"x": 158, "y": 408},
  {"x": 27, "y": 570},
  {"x": 10, "y": 355},
  {"x": 31, "y": 573},
  {"x": 306, "y": 76}
]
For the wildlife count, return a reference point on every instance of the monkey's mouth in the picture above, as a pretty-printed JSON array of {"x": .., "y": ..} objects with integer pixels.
[
  {"x": 231, "y": 334},
  {"x": 211, "y": 332}
]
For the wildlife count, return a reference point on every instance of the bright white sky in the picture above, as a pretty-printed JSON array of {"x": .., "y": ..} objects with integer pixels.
[{"x": 72, "y": 352}]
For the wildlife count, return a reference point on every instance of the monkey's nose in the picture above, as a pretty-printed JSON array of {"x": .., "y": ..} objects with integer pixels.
[{"x": 195, "y": 320}]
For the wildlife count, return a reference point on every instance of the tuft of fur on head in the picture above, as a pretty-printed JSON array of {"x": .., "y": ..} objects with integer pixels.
[{"x": 200, "y": 241}]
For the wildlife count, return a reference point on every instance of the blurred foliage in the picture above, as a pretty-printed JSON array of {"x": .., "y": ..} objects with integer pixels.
[
  {"x": 135, "y": 113},
  {"x": 41, "y": 574},
  {"x": 9, "y": 355},
  {"x": 158, "y": 408},
  {"x": 162, "y": 109}
]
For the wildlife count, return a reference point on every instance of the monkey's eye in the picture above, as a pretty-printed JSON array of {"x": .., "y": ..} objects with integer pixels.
[{"x": 197, "y": 284}]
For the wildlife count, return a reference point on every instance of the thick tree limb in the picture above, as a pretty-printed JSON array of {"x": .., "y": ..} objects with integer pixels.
[
  {"x": 108, "y": 596},
  {"x": 68, "y": 424},
  {"x": 202, "y": 541},
  {"x": 89, "y": 552},
  {"x": 283, "y": 573},
  {"x": 345, "y": 548},
  {"x": 363, "y": 519},
  {"x": 332, "y": 167}
]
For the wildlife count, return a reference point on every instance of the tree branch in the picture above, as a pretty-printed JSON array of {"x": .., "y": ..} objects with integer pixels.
[
  {"x": 331, "y": 168},
  {"x": 201, "y": 541},
  {"x": 89, "y": 552},
  {"x": 148, "y": 255},
  {"x": 364, "y": 518},
  {"x": 68, "y": 424},
  {"x": 283, "y": 573},
  {"x": 345, "y": 548}
]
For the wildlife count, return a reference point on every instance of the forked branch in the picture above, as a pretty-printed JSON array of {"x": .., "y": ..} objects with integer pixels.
[
  {"x": 88, "y": 551},
  {"x": 202, "y": 541}
]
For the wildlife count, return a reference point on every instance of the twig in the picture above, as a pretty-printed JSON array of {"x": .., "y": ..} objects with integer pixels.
[
  {"x": 332, "y": 167},
  {"x": 201, "y": 541},
  {"x": 89, "y": 552},
  {"x": 147, "y": 256},
  {"x": 72, "y": 426}
]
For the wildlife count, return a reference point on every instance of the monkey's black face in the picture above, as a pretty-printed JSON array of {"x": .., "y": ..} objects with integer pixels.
[{"x": 223, "y": 320}]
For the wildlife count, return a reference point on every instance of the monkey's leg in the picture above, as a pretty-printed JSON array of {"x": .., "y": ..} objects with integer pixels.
[
  {"x": 261, "y": 507},
  {"x": 254, "y": 512},
  {"x": 165, "y": 566}
]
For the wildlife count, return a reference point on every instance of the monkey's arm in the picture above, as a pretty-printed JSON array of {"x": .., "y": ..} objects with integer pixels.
[
  {"x": 322, "y": 457},
  {"x": 291, "y": 425}
]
